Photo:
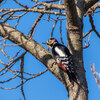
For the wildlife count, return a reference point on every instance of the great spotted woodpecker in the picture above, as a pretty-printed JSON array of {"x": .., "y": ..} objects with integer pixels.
[{"x": 62, "y": 57}]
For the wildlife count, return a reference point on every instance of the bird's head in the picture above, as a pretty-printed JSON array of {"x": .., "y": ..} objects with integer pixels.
[{"x": 51, "y": 42}]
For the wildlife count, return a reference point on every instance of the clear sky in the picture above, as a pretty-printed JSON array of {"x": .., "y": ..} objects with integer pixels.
[{"x": 47, "y": 86}]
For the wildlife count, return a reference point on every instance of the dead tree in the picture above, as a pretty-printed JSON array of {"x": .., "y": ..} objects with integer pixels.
[{"x": 75, "y": 10}]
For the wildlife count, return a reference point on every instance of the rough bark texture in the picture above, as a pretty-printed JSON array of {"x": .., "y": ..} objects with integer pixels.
[
  {"x": 89, "y": 3},
  {"x": 74, "y": 41}
]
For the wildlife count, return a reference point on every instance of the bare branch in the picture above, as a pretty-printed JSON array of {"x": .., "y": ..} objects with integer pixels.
[
  {"x": 9, "y": 16},
  {"x": 51, "y": 6},
  {"x": 2, "y": 1},
  {"x": 21, "y": 70},
  {"x": 11, "y": 63},
  {"x": 2, "y": 63},
  {"x": 87, "y": 44},
  {"x": 92, "y": 25},
  {"x": 51, "y": 1},
  {"x": 21, "y": 4},
  {"x": 5, "y": 54},
  {"x": 10, "y": 78},
  {"x": 61, "y": 32},
  {"x": 35, "y": 24},
  {"x": 95, "y": 73},
  {"x": 30, "y": 10},
  {"x": 4, "y": 38},
  {"x": 54, "y": 27},
  {"x": 87, "y": 33},
  {"x": 26, "y": 80}
]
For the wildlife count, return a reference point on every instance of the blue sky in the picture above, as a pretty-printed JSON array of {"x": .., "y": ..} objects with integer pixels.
[{"x": 47, "y": 86}]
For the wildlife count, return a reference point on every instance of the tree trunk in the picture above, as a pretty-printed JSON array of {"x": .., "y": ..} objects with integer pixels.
[
  {"x": 74, "y": 41},
  {"x": 74, "y": 27}
]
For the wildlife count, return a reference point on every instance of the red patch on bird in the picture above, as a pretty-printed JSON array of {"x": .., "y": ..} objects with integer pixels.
[
  {"x": 54, "y": 39},
  {"x": 62, "y": 66}
]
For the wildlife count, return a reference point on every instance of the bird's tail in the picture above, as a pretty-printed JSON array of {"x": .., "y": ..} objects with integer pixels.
[{"x": 73, "y": 78}]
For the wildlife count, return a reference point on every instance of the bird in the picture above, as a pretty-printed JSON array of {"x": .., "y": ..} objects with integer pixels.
[{"x": 63, "y": 58}]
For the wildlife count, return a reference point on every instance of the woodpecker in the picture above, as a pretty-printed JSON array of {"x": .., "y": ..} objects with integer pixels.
[{"x": 62, "y": 57}]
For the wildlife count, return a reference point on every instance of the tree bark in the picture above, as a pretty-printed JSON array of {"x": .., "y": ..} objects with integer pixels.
[
  {"x": 89, "y": 4},
  {"x": 74, "y": 15}
]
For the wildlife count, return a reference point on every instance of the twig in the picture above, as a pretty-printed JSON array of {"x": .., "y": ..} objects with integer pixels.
[
  {"x": 13, "y": 62},
  {"x": 97, "y": 11},
  {"x": 17, "y": 53},
  {"x": 35, "y": 24},
  {"x": 53, "y": 19},
  {"x": 87, "y": 33},
  {"x": 12, "y": 71},
  {"x": 21, "y": 70},
  {"x": 93, "y": 26},
  {"x": 60, "y": 26},
  {"x": 10, "y": 78},
  {"x": 50, "y": 6},
  {"x": 3, "y": 2},
  {"x": 4, "y": 38},
  {"x": 51, "y": 1},
  {"x": 94, "y": 73},
  {"x": 54, "y": 27},
  {"x": 26, "y": 80},
  {"x": 4, "y": 45},
  {"x": 9, "y": 17},
  {"x": 21, "y": 4},
  {"x": 5, "y": 54},
  {"x": 17, "y": 22},
  {"x": 2, "y": 63},
  {"x": 87, "y": 45},
  {"x": 30, "y": 10},
  {"x": 17, "y": 16},
  {"x": 61, "y": 32}
]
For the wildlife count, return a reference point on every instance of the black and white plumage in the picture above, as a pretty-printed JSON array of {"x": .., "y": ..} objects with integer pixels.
[{"x": 63, "y": 57}]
